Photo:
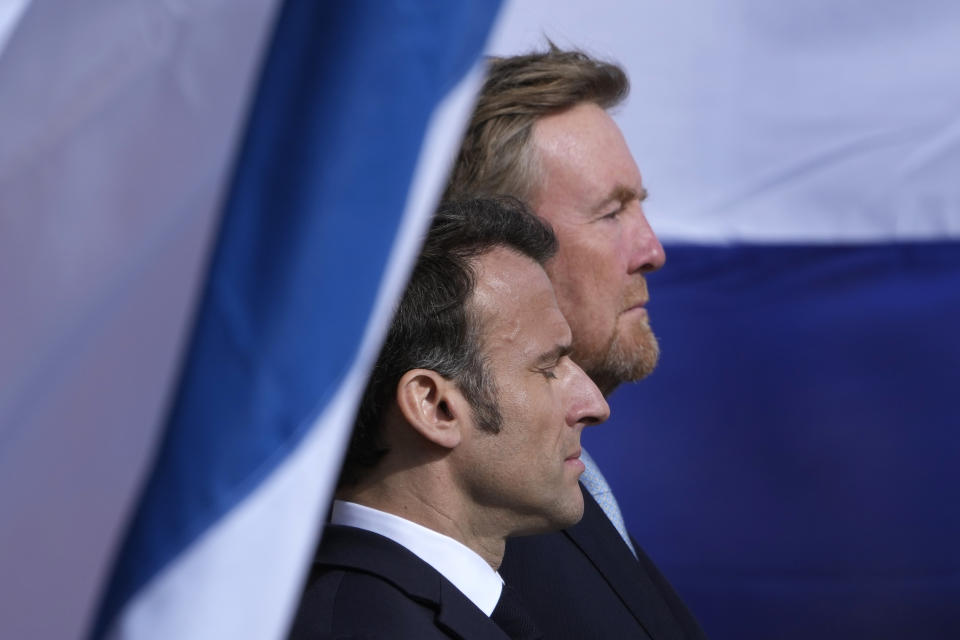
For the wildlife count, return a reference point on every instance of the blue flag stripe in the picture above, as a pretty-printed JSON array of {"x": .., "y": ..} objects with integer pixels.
[{"x": 799, "y": 438}]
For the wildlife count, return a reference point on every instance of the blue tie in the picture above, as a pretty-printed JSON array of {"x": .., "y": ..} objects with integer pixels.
[{"x": 595, "y": 483}]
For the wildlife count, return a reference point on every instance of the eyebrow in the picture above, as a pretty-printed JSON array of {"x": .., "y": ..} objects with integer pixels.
[
  {"x": 622, "y": 193},
  {"x": 553, "y": 355}
]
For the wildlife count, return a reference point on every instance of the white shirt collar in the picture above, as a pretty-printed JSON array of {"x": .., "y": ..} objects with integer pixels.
[{"x": 459, "y": 564}]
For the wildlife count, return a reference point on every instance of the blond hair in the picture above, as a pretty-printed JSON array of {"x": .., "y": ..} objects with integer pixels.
[{"x": 496, "y": 157}]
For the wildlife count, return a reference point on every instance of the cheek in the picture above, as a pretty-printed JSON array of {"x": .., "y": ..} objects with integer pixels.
[
  {"x": 587, "y": 270},
  {"x": 588, "y": 306},
  {"x": 576, "y": 286},
  {"x": 550, "y": 425},
  {"x": 512, "y": 398}
]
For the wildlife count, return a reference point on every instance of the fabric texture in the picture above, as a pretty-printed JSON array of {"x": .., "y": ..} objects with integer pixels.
[
  {"x": 363, "y": 585},
  {"x": 596, "y": 484},
  {"x": 511, "y": 616},
  {"x": 583, "y": 582},
  {"x": 458, "y": 563}
]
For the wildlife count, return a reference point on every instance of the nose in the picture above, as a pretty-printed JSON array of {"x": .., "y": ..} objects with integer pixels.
[
  {"x": 587, "y": 405},
  {"x": 646, "y": 252}
]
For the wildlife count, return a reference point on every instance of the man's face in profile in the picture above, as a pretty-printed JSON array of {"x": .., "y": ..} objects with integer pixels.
[
  {"x": 590, "y": 191},
  {"x": 526, "y": 476}
]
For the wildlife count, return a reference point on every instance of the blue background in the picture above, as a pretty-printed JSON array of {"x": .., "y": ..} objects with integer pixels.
[{"x": 792, "y": 464}]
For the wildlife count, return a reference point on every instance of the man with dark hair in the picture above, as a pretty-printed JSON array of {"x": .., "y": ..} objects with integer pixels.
[
  {"x": 468, "y": 432},
  {"x": 541, "y": 133}
]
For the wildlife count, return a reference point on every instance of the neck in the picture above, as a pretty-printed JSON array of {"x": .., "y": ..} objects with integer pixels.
[{"x": 423, "y": 497}]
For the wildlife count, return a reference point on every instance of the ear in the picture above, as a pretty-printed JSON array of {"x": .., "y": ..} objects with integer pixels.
[{"x": 433, "y": 406}]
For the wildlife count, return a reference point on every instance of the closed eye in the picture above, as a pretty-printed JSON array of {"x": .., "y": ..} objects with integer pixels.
[
  {"x": 548, "y": 362},
  {"x": 620, "y": 199},
  {"x": 548, "y": 374},
  {"x": 613, "y": 214}
]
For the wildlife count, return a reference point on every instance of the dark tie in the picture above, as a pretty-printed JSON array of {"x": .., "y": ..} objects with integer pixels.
[{"x": 511, "y": 616}]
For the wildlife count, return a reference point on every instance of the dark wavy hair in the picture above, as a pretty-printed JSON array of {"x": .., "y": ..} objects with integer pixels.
[{"x": 435, "y": 327}]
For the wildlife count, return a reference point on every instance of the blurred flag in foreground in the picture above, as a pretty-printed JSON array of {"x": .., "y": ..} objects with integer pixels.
[{"x": 344, "y": 118}]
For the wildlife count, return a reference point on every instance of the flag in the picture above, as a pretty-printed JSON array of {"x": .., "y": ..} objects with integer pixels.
[
  {"x": 355, "y": 112},
  {"x": 291, "y": 319},
  {"x": 119, "y": 124}
]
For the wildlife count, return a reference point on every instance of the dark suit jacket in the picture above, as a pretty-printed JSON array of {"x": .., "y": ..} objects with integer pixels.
[
  {"x": 583, "y": 583},
  {"x": 363, "y": 585}
]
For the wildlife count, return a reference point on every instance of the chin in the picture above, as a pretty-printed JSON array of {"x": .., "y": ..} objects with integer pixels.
[
  {"x": 571, "y": 511},
  {"x": 561, "y": 515},
  {"x": 645, "y": 362},
  {"x": 632, "y": 361}
]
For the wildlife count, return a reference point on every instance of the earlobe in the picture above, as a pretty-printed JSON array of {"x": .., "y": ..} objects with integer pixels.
[{"x": 431, "y": 404}]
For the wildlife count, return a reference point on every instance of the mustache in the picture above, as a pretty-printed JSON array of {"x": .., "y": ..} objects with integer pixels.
[{"x": 636, "y": 294}]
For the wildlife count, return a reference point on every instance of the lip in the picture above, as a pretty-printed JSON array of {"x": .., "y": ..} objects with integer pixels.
[{"x": 575, "y": 462}]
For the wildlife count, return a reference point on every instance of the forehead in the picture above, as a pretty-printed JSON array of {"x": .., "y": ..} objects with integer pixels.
[
  {"x": 517, "y": 307},
  {"x": 582, "y": 157}
]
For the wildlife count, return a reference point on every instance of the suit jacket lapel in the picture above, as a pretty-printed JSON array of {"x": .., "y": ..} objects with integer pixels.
[
  {"x": 599, "y": 540},
  {"x": 460, "y": 616},
  {"x": 372, "y": 553}
]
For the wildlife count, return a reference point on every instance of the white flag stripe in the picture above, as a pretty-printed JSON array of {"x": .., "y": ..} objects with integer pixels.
[
  {"x": 101, "y": 248},
  {"x": 788, "y": 122}
]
